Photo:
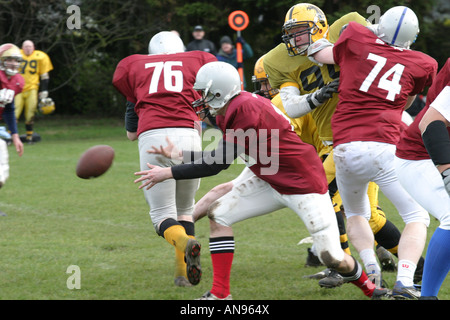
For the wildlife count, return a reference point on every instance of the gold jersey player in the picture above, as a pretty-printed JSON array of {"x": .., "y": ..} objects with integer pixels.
[
  {"x": 306, "y": 87},
  {"x": 35, "y": 69}
]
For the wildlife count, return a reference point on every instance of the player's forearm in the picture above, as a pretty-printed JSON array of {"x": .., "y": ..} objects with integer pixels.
[
  {"x": 325, "y": 56},
  {"x": 205, "y": 164},
  {"x": 43, "y": 84},
  {"x": 131, "y": 135},
  {"x": 131, "y": 118},
  {"x": 10, "y": 118},
  {"x": 295, "y": 104}
]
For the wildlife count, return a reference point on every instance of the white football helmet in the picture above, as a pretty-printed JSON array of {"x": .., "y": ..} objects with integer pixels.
[
  {"x": 399, "y": 27},
  {"x": 165, "y": 42},
  {"x": 219, "y": 82}
]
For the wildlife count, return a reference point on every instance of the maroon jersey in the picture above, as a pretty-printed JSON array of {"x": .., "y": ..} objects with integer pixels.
[
  {"x": 375, "y": 82},
  {"x": 160, "y": 86},
  {"x": 274, "y": 151},
  {"x": 15, "y": 84},
  {"x": 410, "y": 146}
]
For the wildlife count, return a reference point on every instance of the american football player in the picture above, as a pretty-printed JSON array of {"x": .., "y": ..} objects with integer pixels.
[
  {"x": 380, "y": 77},
  {"x": 35, "y": 69},
  {"x": 306, "y": 87},
  {"x": 293, "y": 177},
  {"x": 422, "y": 148},
  {"x": 158, "y": 88},
  {"x": 11, "y": 83}
]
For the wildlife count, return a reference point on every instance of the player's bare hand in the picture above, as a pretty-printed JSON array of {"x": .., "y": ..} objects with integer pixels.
[
  {"x": 170, "y": 151},
  {"x": 153, "y": 176},
  {"x": 17, "y": 144}
]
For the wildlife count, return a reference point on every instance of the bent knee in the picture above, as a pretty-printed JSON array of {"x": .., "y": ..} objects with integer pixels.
[
  {"x": 328, "y": 248},
  {"x": 330, "y": 259}
]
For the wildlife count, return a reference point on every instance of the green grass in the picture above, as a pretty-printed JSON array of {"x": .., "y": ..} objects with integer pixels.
[{"x": 55, "y": 220}]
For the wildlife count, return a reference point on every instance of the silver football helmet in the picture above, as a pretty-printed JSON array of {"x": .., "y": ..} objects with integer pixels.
[
  {"x": 165, "y": 42},
  {"x": 219, "y": 82},
  {"x": 399, "y": 27}
]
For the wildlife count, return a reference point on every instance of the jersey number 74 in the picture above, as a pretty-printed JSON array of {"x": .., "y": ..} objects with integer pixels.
[{"x": 392, "y": 86}]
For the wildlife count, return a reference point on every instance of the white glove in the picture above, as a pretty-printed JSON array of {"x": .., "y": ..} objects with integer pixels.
[
  {"x": 446, "y": 176},
  {"x": 43, "y": 94},
  {"x": 6, "y": 96}
]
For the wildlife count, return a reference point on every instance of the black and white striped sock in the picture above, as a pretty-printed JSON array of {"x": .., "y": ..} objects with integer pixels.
[{"x": 221, "y": 245}]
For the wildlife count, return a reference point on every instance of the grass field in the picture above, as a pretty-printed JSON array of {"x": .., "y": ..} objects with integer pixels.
[{"x": 56, "y": 220}]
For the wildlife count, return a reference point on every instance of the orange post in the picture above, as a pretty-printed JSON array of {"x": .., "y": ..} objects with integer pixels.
[{"x": 238, "y": 20}]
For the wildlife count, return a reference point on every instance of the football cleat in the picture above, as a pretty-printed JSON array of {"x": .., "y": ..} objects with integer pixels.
[
  {"x": 402, "y": 292},
  {"x": 193, "y": 268},
  {"x": 386, "y": 260},
  {"x": 209, "y": 296},
  {"x": 332, "y": 280},
  {"x": 312, "y": 260},
  {"x": 380, "y": 293}
]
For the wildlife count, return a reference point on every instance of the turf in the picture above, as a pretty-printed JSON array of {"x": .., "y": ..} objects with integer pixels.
[{"x": 56, "y": 220}]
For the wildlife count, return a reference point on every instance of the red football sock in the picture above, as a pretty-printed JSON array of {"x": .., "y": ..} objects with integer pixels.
[
  {"x": 365, "y": 284},
  {"x": 359, "y": 278},
  {"x": 222, "y": 252}
]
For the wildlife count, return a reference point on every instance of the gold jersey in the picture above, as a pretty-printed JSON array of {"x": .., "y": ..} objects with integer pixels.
[
  {"x": 33, "y": 66},
  {"x": 284, "y": 70},
  {"x": 305, "y": 127}
]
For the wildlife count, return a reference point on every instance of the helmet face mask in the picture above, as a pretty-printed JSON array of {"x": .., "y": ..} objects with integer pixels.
[
  {"x": 260, "y": 81},
  {"x": 11, "y": 65},
  {"x": 201, "y": 106},
  {"x": 218, "y": 82},
  {"x": 10, "y": 59},
  {"x": 303, "y": 19},
  {"x": 295, "y": 35}
]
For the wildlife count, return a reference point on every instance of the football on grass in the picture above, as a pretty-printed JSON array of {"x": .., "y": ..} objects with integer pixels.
[{"x": 95, "y": 161}]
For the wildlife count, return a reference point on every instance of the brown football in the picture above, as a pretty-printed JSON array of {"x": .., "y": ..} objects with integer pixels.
[{"x": 95, "y": 161}]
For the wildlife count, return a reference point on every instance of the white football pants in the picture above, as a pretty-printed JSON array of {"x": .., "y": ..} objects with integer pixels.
[
  {"x": 359, "y": 162},
  {"x": 4, "y": 162},
  {"x": 171, "y": 198},
  {"x": 252, "y": 197},
  {"x": 424, "y": 183}
]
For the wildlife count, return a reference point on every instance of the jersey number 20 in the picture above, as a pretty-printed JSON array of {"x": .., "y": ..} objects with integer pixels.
[
  {"x": 173, "y": 79},
  {"x": 393, "y": 86}
]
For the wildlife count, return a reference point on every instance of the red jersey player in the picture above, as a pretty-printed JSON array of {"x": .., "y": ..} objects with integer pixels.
[
  {"x": 158, "y": 88},
  {"x": 379, "y": 76},
  {"x": 11, "y": 83},
  {"x": 422, "y": 147},
  {"x": 282, "y": 172}
]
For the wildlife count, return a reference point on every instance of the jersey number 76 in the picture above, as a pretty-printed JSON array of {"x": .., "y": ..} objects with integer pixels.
[{"x": 173, "y": 79}]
